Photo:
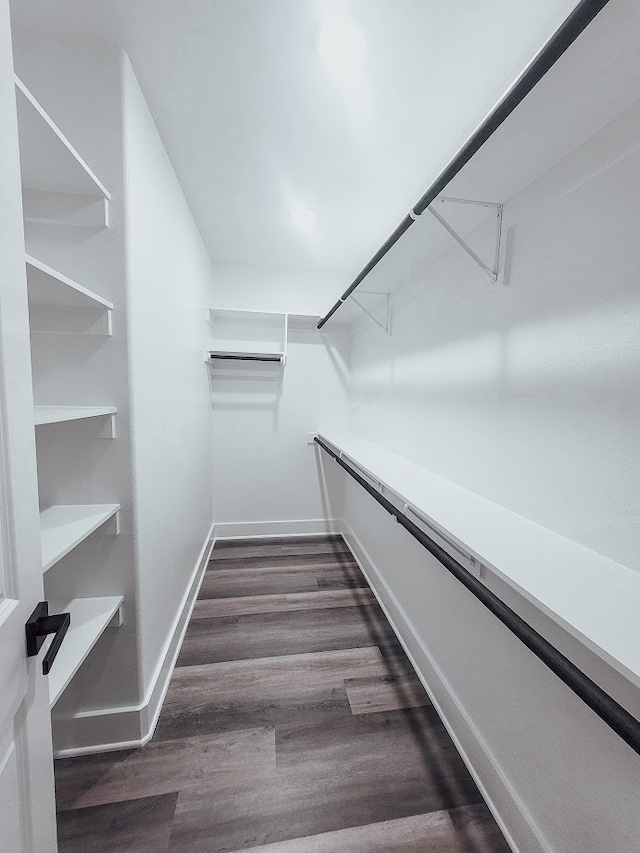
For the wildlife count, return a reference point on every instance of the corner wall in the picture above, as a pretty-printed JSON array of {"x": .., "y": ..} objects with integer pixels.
[
  {"x": 169, "y": 280},
  {"x": 266, "y": 475}
]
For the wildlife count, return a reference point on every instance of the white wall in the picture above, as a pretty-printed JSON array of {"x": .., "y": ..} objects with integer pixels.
[
  {"x": 169, "y": 282},
  {"x": 266, "y": 476},
  {"x": 526, "y": 393}
]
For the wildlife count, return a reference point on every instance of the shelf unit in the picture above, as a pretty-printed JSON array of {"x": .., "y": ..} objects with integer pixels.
[
  {"x": 60, "y": 189},
  {"x": 64, "y": 527},
  {"x": 238, "y": 335},
  {"x": 90, "y": 617},
  {"x": 57, "y": 184}
]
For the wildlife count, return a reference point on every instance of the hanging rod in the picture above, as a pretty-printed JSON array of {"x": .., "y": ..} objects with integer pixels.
[
  {"x": 246, "y": 356},
  {"x": 609, "y": 711},
  {"x": 561, "y": 40}
]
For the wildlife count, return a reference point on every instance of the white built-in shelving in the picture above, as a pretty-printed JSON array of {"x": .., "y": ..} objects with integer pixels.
[
  {"x": 58, "y": 185},
  {"x": 60, "y": 189},
  {"x": 64, "y": 527},
  {"x": 89, "y": 619}
]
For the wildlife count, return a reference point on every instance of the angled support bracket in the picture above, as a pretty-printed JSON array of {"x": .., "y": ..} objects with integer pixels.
[
  {"x": 384, "y": 324},
  {"x": 492, "y": 271}
]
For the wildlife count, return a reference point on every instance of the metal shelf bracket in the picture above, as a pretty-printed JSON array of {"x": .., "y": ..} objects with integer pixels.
[
  {"x": 385, "y": 323},
  {"x": 492, "y": 272}
]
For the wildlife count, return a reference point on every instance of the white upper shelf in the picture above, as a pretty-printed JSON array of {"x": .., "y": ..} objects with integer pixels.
[
  {"x": 592, "y": 597},
  {"x": 48, "y": 160},
  {"x": 64, "y": 527},
  {"x": 50, "y": 287},
  {"x": 60, "y": 414},
  {"x": 89, "y": 619}
]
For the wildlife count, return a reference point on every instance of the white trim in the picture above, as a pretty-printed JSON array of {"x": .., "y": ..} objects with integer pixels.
[
  {"x": 252, "y": 529},
  {"x": 133, "y": 726},
  {"x": 510, "y": 813}
]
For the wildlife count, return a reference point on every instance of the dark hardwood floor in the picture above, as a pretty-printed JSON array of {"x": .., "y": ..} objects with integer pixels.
[{"x": 293, "y": 724}]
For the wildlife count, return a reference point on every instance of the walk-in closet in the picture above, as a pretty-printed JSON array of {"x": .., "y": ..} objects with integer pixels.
[{"x": 319, "y": 420}]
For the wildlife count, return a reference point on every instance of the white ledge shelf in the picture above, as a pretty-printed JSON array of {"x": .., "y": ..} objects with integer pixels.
[
  {"x": 61, "y": 414},
  {"x": 592, "y": 597},
  {"x": 89, "y": 619},
  {"x": 62, "y": 528},
  {"x": 47, "y": 286},
  {"x": 59, "y": 305},
  {"x": 48, "y": 161}
]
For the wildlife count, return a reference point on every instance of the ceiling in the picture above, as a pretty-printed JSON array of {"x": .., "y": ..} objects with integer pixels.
[{"x": 288, "y": 162}]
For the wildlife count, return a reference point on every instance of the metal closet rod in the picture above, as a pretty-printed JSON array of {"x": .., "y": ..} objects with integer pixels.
[
  {"x": 244, "y": 357},
  {"x": 613, "y": 714},
  {"x": 562, "y": 39}
]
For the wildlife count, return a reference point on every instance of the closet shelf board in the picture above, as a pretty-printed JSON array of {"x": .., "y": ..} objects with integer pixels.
[
  {"x": 64, "y": 527},
  {"x": 89, "y": 619},
  {"x": 47, "y": 286},
  {"x": 595, "y": 599},
  {"x": 60, "y": 414},
  {"x": 48, "y": 160}
]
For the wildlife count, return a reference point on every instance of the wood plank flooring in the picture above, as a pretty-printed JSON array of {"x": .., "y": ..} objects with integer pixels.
[{"x": 293, "y": 723}]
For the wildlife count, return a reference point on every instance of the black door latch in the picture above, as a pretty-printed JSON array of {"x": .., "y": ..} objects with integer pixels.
[{"x": 40, "y": 625}]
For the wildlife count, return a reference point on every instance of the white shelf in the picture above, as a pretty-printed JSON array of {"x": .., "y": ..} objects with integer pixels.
[
  {"x": 64, "y": 527},
  {"x": 89, "y": 619},
  {"x": 48, "y": 160},
  {"x": 49, "y": 287},
  {"x": 60, "y": 414},
  {"x": 592, "y": 597}
]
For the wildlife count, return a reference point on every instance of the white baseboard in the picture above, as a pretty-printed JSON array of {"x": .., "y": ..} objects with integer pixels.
[
  {"x": 253, "y": 529},
  {"x": 133, "y": 726},
  {"x": 512, "y": 816}
]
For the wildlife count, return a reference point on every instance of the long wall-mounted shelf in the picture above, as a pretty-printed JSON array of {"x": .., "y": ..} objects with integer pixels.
[
  {"x": 62, "y": 528},
  {"x": 89, "y": 619},
  {"x": 58, "y": 185},
  {"x": 562, "y": 578}
]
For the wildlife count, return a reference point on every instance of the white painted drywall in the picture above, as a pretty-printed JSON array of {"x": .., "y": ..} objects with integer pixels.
[
  {"x": 526, "y": 394},
  {"x": 266, "y": 475},
  {"x": 169, "y": 282}
]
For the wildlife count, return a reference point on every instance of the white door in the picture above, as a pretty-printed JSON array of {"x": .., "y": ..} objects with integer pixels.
[{"x": 27, "y": 802}]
